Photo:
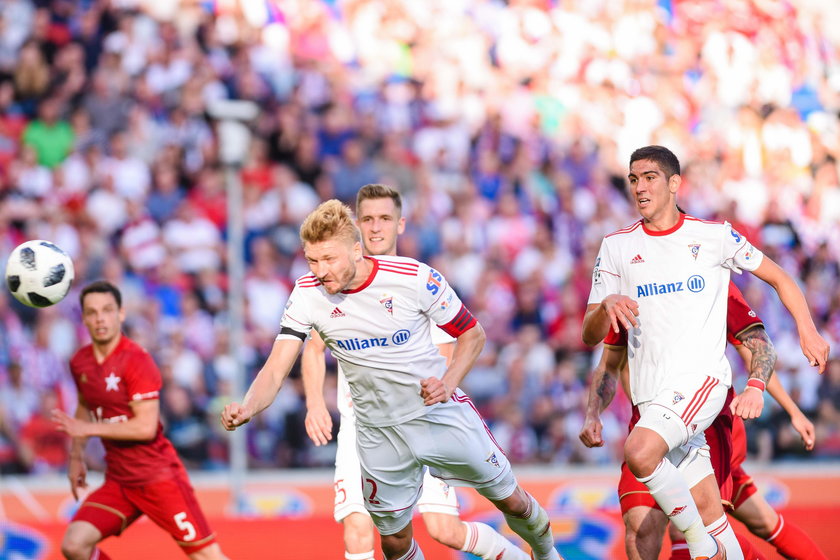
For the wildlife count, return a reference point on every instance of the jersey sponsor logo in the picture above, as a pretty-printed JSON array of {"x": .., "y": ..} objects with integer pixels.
[
  {"x": 433, "y": 282},
  {"x": 695, "y": 249},
  {"x": 336, "y": 313},
  {"x": 749, "y": 254},
  {"x": 397, "y": 339},
  {"x": 695, "y": 284},
  {"x": 735, "y": 235},
  {"x": 596, "y": 272},
  {"x": 637, "y": 259},
  {"x": 445, "y": 303}
]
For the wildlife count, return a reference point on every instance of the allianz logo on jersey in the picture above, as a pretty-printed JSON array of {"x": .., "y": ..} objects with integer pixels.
[
  {"x": 397, "y": 339},
  {"x": 695, "y": 284}
]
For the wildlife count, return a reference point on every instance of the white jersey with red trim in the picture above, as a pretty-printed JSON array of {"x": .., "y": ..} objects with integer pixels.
[
  {"x": 379, "y": 333},
  {"x": 345, "y": 401},
  {"x": 680, "y": 279}
]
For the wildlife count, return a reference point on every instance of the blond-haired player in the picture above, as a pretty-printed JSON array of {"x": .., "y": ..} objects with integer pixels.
[{"x": 373, "y": 314}]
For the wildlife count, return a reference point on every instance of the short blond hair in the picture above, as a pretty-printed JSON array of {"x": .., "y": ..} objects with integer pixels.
[{"x": 331, "y": 219}]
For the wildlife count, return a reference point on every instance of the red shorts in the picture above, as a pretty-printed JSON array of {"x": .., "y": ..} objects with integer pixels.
[
  {"x": 170, "y": 503},
  {"x": 632, "y": 493}
]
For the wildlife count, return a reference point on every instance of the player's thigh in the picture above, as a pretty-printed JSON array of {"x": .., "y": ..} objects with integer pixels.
[
  {"x": 107, "y": 509},
  {"x": 437, "y": 496},
  {"x": 459, "y": 449},
  {"x": 681, "y": 413},
  {"x": 172, "y": 505},
  {"x": 347, "y": 479},
  {"x": 743, "y": 486},
  {"x": 759, "y": 517},
  {"x": 391, "y": 476}
]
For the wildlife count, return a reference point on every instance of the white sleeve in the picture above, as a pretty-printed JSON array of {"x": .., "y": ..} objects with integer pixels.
[
  {"x": 436, "y": 297},
  {"x": 295, "y": 323},
  {"x": 605, "y": 276},
  {"x": 738, "y": 253}
]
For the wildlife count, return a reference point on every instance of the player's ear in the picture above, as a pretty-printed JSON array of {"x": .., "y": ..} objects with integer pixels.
[
  {"x": 401, "y": 226},
  {"x": 674, "y": 183}
]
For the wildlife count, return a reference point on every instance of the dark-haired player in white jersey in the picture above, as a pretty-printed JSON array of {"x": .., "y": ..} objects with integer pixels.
[
  {"x": 373, "y": 313},
  {"x": 665, "y": 278},
  {"x": 379, "y": 217}
]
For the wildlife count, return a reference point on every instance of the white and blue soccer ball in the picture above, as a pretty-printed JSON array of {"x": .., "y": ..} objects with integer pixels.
[{"x": 39, "y": 273}]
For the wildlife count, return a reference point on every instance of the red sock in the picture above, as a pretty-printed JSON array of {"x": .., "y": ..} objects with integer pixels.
[
  {"x": 679, "y": 550},
  {"x": 99, "y": 555},
  {"x": 792, "y": 542},
  {"x": 750, "y": 552}
]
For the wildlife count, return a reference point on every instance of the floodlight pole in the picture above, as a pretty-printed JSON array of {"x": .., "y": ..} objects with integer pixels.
[{"x": 234, "y": 139}]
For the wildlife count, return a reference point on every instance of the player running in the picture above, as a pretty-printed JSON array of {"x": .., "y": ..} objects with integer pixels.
[
  {"x": 373, "y": 313},
  {"x": 119, "y": 385},
  {"x": 665, "y": 279},
  {"x": 379, "y": 218}
]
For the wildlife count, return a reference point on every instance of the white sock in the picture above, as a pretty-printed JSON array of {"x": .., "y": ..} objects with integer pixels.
[
  {"x": 722, "y": 530},
  {"x": 535, "y": 529},
  {"x": 669, "y": 489},
  {"x": 414, "y": 552},
  {"x": 486, "y": 543},
  {"x": 359, "y": 556}
]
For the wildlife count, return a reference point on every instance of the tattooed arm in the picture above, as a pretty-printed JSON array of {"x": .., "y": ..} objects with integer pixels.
[
  {"x": 601, "y": 392},
  {"x": 750, "y": 402}
]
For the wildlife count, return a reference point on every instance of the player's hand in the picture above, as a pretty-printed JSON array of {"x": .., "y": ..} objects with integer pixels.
[
  {"x": 590, "y": 434},
  {"x": 622, "y": 311},
  {"x": 318, "y": 424},
  {"x": 77, "y": 473},
  {"x": 434, "y": 390},
  {"x": 815, "y": 348},
  {"x": 73, "y": 427},
  {"x": 806, "y": 430},
  {"x": 234, "y": 415},
  {"x": 748, "y": 404}
]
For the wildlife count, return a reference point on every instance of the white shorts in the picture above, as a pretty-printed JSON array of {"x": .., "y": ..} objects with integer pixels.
[
  {"x": 451, "y": 439},
  {"x": 682, "y": 412},
  {"x": 437, "y": 496}
]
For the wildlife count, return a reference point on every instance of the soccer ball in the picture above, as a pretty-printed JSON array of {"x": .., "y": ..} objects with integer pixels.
[{"x": 39, "y": 273}]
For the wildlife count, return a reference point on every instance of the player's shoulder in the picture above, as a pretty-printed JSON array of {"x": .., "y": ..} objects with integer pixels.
[
  {"x": 695, "y": 223},
  {"x": 405, "y": 266},
  {"x": 82, "y": 355},
  {"x": 307, "y": 281},
  {"x": 128, "y": 346},
  {"x": 625, "y": 231}
]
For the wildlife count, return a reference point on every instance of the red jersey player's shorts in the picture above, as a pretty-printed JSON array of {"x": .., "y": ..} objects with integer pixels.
[
  {"x": 170, "y": 503},
  {"x": 632, "y": 493},
  {"x": 742, "y": 484}
]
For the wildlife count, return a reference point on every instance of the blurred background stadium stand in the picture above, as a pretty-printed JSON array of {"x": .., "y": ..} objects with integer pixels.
[{"x": 507, "y": 126}]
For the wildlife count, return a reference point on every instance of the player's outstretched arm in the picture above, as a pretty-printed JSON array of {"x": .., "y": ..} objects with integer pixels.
[
  {"x": 800, "y": 422},
  {"x": 76, "y": 466},
  {"x": 601, "y": 393},
  {"x": 265, "y": 386},
  {"x": 142, "y": 426},
  {"x": 813, "y": 344},
  {"x": 313, "y": 370},
  {"x": 469, "y": 346},
  {"x": 758, "y": 353},
  {"x": 614, "y": 311}
]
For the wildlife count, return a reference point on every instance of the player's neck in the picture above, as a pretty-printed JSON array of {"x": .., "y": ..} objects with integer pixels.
[
  {"x": 666, "y": 220},
  {"x": 101, "y": 351},
  {"x": 363, "y": 271}
]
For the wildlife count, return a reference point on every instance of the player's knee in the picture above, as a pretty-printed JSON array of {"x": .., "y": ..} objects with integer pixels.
[
  {"x": 641, "y": 459},
  {"x": 358, "y": 533},
  {"x": 75, "y": 548},
  {"x": 396, "y": 545},
  {"x": 448, "y": 532}
]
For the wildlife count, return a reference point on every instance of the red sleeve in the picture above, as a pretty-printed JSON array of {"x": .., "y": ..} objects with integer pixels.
[
  {"x": 142, "y": 377},
  {"x": 462, "y": 322},
  {"x": 739, "y": 315},
  {"x": 616, "y": 339}
]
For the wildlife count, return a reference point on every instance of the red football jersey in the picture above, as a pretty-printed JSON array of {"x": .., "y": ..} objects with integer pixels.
[{"x": 127, "y": 375}]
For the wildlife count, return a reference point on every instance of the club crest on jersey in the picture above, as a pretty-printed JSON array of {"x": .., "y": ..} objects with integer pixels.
[
  {"x": 695, "y": 249},
  {"x": 678, "y": 397},
  {"x": 596, "y": 272},
  {"x": 388, "y": 303},
  {"x": 493, "y": 460},
  {"x": 433, "y": 282},
  {"x": 336, "y": 313}
]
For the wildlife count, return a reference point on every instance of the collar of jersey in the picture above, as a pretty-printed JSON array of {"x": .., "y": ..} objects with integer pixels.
[
  {"x": 370, "y": 278},
  {"x": 668, "y": 231}
]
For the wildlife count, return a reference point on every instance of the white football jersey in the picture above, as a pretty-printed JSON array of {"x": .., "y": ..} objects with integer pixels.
[
  {"x": 345, "y": 401},
  {"x": 379, "y": 333},
  {"x": 680, "y": 279}
]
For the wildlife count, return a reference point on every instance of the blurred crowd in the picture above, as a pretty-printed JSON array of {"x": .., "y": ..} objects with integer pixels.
[{"x": 506, "y": 125}]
